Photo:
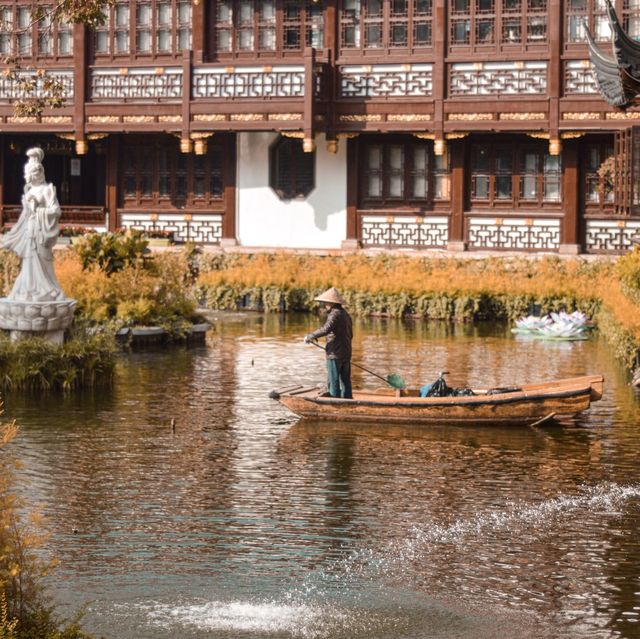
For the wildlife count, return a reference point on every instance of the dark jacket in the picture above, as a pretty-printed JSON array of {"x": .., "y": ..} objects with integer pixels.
[{"x": 338, "y": 331}]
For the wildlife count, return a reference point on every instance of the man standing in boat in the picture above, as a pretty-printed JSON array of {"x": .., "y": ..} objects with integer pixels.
[{"x": 339, "y": 333}]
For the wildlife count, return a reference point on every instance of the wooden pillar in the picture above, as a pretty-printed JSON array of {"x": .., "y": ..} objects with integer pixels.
[
  {"x": 308, "y": 143},
  {"x": 186, "y": 143},
  {"x": 79, "y": 86},
  {"x": 353, "y": 170},
  {"x": 555, "y": 74},
  {"x": 330, "y": 70},
  {"x": 457, "y": 240},
  {"x": 111, "y": 196},
  {"x": 198, "y": 30},
  {"x": 570, "y": 241},
  {"x": 439, "y": 68},
  {"x": 229, "y": 171}
]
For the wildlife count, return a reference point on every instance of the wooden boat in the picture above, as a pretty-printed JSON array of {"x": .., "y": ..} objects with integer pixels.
[{"x": 529, "y": 404}]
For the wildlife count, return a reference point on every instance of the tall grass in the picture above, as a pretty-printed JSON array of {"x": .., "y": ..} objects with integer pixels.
[{"x": 441, "y": 288}]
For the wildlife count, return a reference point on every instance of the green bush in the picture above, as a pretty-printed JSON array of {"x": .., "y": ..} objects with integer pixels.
[{"x": 112, "y": 252}]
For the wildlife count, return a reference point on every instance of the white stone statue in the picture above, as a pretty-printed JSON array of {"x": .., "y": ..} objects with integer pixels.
[
  {"x": 36, "y": 304},
  {"x": 34, "y": 235}
]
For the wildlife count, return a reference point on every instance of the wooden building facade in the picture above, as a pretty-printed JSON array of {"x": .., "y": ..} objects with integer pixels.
[{"x": 409, "y": 124}]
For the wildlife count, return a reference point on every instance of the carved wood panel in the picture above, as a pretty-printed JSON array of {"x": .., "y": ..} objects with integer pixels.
[
  {"x": 148, "y": 83},
  {"x": 248, "y": 82},
  {"x": 386, "y": 80},
  {"x": 404, "y": 232},
  {"x": 198, "y": 228},
  {"x": 610, "y": 236},
  {"x": 503, "y": 78},
  {"x": 513, "y": 233}
]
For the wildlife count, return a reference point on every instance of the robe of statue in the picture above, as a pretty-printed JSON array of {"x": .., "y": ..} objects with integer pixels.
[{"x": 32, "y": 239}]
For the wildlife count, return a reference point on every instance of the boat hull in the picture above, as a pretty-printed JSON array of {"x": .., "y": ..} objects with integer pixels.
[{"x": 531, "y": 404}]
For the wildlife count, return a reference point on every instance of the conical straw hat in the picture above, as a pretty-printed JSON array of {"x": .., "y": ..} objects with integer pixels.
[{"x": 331, "y": 296}]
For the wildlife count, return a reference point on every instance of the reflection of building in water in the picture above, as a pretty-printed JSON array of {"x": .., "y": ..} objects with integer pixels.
[
  {"x": 470, "y": 124},
  {"x": 129, "y": 474}
]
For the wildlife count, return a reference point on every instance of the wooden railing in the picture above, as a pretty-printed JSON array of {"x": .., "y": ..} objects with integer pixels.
[{"x": 77, "y": 215}]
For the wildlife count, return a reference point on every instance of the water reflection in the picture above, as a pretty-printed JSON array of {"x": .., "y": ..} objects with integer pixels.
[{"x": 245, "y": 522}]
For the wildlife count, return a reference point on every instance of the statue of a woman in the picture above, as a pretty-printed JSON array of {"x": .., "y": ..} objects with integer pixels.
[{"x": 34, "y": 235}]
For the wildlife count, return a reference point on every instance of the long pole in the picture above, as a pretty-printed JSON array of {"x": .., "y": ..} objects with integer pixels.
[{"x": 384, "y": 379}]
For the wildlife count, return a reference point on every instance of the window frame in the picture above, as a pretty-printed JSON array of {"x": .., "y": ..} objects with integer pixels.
[
  {"x": 310, "y": 20},
  {"x": 517, "y": 172},
  {"x": 437, "y": 169},
  {"x": 33, "y": 34},
  {"x": 133, "y": 29},
  {"x": 589, "y": 175},
  {"x": 504, "y": 17},
  {"x": 594, "y": 13},
  {"x": 141, "y": 161},
  {"x": 297, "y": 189},
  {"x": 358, "y": 21}
]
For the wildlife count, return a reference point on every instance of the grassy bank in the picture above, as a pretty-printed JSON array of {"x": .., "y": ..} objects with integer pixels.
[
  {"x": 437, "y": 288},
  {"x": 164, "y": 289}
]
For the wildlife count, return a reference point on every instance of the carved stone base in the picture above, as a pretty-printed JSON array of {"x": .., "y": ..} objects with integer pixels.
[
  {"x": 457, "y": 246},
  {"x": 36, "y": 319},
  {"x": 228, "y": 241}
]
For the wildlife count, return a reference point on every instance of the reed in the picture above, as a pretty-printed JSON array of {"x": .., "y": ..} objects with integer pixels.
[{"x": 84, "y": 361}]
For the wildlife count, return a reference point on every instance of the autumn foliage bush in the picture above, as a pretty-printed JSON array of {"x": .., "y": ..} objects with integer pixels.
[{"x": 151, "y": 291}]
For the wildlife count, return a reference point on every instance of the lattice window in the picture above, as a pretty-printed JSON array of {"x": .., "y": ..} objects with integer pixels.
[
  {"x": 156, "y": 173},
  {"x": 25, "y": 33},
  {"x": 401, "y": 171},
  {"x": 291, "y": 170},
  {"x": 593, "y": 13},
  {"x": 385, "y": 24},
  {"x": 159, "y": 28},
  {"x": 488, "y": 23},
  {"x": 514, "y": 175},
  {"x": 597, "y": 189},
  {"x": 631, "y": 18},
  {"x": 398, "y": 27},
  {"x": 243, "y": 26}
]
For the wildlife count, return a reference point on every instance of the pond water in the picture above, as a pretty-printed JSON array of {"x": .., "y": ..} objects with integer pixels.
[{"x": 245, "y": 522}]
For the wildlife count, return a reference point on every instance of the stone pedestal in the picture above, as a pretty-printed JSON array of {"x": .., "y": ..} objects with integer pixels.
[
  {"x": 569, "y": 249},
  {"x": 36, "y": 319},
  {"x": 350, "y": 245}
]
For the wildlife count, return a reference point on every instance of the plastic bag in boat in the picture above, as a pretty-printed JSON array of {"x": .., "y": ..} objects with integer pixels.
[{"x": 440, "y": 388}]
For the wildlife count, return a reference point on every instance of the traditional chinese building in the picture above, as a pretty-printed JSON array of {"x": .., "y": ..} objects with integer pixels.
[{"x": 460, "y": 124}]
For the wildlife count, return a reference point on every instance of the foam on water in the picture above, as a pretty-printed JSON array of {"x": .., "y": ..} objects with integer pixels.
[
  {"x": 605, "y": 498},
  {"x": 265, "y": 618},
  {"x": 311, "y": 609}
]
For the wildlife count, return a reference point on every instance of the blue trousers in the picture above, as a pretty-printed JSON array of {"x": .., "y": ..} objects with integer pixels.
[{"x": 339, "y": 378}]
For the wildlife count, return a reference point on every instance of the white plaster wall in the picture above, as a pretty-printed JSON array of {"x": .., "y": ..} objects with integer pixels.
[{"x": 263, "y": 220}]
